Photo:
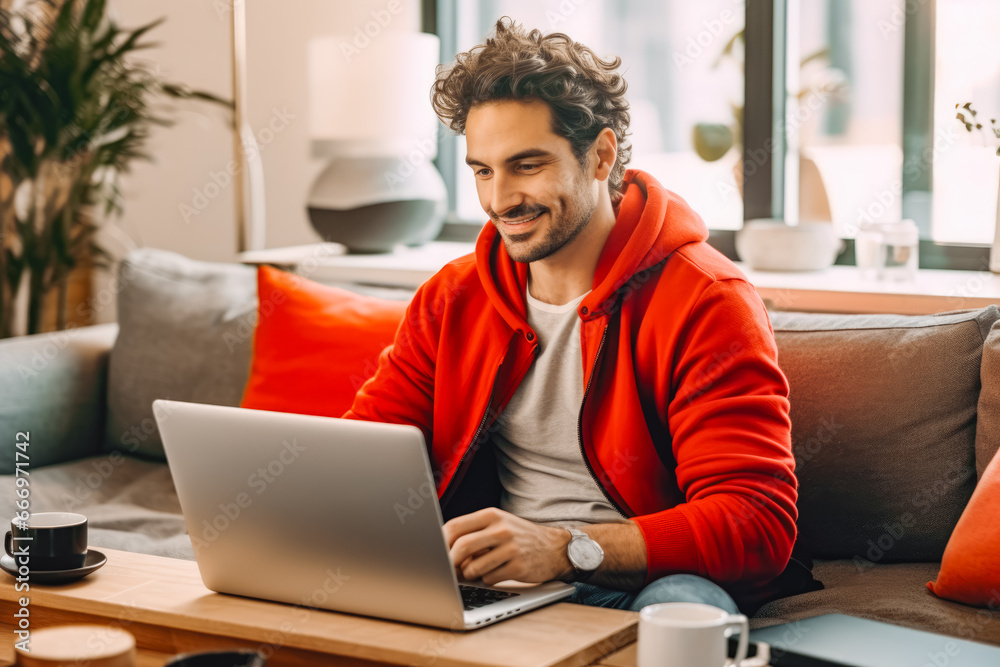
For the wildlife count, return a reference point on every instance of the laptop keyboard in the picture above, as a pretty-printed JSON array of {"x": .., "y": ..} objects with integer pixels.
[{"x": 474, "y": 597}]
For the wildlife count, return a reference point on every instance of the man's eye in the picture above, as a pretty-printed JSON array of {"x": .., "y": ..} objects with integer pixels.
[
  {"x": 483, "y": 172},
  {"x": 528, "y": 167}
]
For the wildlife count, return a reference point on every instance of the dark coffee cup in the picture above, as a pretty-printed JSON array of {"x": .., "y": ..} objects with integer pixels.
[
  {"x": 241, "y": 658},
  {"x": 48, "y": 541}
]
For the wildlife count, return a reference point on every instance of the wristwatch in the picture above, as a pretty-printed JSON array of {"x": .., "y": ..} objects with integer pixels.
[{"x": 585, "y": 555}]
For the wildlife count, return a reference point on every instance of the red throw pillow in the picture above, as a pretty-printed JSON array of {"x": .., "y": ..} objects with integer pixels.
[
  {"x": 969, "y": 572},
  {"x": 314, "y": 345}
]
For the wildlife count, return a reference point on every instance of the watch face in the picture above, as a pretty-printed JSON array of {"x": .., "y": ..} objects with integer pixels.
[{"x": 585, "y": 554}]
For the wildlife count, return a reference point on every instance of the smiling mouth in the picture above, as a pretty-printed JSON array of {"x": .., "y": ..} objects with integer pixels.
[{"x": 522, "y": 221}]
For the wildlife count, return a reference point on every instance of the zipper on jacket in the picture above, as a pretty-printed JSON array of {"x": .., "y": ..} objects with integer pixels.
[
  {"x": 458, "y": 469},
  {"x": 579, "y": 431}
]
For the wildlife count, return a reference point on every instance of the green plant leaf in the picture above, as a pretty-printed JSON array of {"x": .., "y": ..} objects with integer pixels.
[
  {"x": 92, "y": 14},
  {"x": 129, "y": 44},
  {"x": 71, "y": 97},
  {"x": 20, "y": 141},
  {"x": 712, "y": 140}
]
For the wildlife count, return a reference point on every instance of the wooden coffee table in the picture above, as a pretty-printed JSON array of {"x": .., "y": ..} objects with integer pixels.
[{"x": 164, "y": 604}]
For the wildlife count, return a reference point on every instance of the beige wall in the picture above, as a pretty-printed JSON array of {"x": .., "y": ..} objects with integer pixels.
[{"x": 196, "y": 50}]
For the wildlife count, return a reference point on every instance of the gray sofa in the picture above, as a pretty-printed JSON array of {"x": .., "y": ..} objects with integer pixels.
[{"x": 894, "y": 420}]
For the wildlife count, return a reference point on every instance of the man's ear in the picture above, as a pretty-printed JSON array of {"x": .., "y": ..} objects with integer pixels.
[{"x": 605, "y": 148}]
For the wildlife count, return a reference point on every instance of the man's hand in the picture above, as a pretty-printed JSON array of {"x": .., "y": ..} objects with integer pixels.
[{"x": 495, "y": 546}]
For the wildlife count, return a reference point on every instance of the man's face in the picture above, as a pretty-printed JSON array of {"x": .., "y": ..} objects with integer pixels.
[{"x": 529, "y": 182}]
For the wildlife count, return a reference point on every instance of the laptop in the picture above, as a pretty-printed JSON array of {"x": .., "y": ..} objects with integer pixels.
[
  {"x": 839, "y": 640},
  {"x": 324, "y": 512}
]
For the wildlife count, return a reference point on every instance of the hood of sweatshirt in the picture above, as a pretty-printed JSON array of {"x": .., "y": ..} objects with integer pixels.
[{"x": 651, "y": 222}]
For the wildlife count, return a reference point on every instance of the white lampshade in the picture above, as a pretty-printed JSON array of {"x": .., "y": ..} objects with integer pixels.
[{"x": 371, "y": 95}]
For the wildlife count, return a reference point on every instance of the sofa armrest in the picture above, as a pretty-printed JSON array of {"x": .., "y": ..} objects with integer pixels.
[{"x": 53, "y": 386}]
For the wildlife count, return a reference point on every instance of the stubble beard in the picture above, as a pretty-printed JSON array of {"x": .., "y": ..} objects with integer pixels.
[{"x": 560, "y": 231}]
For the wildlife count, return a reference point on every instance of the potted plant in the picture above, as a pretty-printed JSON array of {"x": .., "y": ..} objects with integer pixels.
[
  {"x": 75, "y": 111},
  {"x": 990, "y": 135}
]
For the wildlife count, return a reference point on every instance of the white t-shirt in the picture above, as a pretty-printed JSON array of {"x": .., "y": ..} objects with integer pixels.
[{"x": 539, "y": 460}]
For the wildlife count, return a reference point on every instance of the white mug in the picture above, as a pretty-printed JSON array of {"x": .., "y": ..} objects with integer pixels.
[{"x": 691, "y": 634}]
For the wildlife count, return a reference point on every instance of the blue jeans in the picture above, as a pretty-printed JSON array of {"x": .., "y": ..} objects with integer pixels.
[{"x": 671, "y": 588}]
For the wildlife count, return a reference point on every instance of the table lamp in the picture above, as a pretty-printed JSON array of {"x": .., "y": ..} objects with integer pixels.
[{"x": 370, "y": 114}]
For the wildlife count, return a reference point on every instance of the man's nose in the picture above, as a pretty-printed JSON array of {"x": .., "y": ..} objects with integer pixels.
[{"x": 505, "y": 195}]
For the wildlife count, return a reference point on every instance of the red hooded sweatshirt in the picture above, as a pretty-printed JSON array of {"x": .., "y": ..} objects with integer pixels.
[{"x": 684, "y": 422}]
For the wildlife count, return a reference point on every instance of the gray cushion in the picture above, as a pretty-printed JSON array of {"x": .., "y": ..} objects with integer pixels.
[
  {"x": 186, "y": 334},
  {"x": 988, "y": 422},
  {"x": 883, "y": 414},
  {"x": 53, "y": 387}
]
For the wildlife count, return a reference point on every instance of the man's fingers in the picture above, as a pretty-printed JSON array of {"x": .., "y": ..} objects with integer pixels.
[
  {"x": 486, "y": 564},
  {"x": 469, "y": 559},
  {"x": 472, "y": 544},
  {"x": 506, "y": 571},
  {"x": 468, "y": 523}
]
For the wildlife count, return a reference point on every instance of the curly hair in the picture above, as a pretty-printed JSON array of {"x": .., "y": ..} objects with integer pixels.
[{"x": 582, "y": 90}]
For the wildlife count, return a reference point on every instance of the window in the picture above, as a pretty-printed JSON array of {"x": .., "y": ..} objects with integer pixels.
[
  {"x": 845, "y": 109},
  {"x": 676, "y": 80},
  {"x": 865, "y": 130},
  {"x": 966, "y": 168},
  {"x": 884, "y": 142}
]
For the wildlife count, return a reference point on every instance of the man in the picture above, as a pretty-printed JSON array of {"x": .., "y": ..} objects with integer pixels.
[{"x": 598, "y": 387}]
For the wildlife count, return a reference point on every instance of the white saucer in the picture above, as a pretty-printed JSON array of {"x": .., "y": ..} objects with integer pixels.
[{"x": 95, "y": 560}]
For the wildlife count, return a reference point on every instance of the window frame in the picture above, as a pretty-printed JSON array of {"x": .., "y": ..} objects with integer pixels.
[{"x": 764, "y": 189}]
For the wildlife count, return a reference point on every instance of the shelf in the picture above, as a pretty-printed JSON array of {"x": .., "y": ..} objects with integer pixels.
[
  {"x": 838, "y": 289},
  {"x": 841, "y": 289},
  {"x": 328, "y": 262}
]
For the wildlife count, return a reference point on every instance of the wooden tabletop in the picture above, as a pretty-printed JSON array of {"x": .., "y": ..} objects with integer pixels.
[{"x": 163, "y": 602}]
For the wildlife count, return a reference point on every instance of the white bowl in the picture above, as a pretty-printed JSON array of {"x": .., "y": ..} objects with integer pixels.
[{"x": 773, "y": 245}]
